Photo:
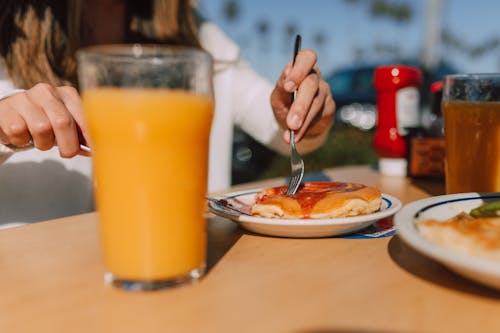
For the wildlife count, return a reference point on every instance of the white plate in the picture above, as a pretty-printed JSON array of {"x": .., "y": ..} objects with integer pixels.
[
  {"x": 236, "y": 206},
  {"x": 442, "y": 208}
]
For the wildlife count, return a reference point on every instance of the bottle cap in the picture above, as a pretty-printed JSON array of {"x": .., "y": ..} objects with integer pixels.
[
  {"x": 393, "y": 77},
  {"x": 392, "y": 166},
  {"x": 437, "y": 86},
  {"x": 436, "y": 97}
]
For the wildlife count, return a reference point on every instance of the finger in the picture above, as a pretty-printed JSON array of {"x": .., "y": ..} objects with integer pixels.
[
  {"x": 304, "y": 62},
  {"x": 306, "y": 93},
  {"x": 320, "y": 116},
  {"x": 13, "y": 130},
  {"x": 280, "y": 92},
  {"x": 73, "y": 102},
  {"x": 313, "y": 116},
  {"x": 13, "y": 127},
  {"x": 60, "y": 121}
]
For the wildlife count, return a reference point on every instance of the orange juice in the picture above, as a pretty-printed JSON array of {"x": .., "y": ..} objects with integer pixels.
[
  {"x": 472, "y": 131},
  {"x": 150, "y": 150}
]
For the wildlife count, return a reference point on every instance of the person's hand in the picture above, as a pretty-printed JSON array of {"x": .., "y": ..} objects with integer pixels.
[
  {"x": 46, "y": 116},
  {"x": 311, "y": 113}
]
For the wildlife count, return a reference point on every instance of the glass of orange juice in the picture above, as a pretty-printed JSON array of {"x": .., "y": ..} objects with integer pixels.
[
  {"x": 149, "y": 110},
  {"x": 471, "y": 110}
]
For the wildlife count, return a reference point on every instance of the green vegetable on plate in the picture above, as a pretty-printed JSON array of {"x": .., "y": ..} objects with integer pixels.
[{"x": 491, "y": 209}]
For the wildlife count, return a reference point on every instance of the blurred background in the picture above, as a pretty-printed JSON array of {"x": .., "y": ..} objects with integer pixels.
[{"x": 352, "y": 38}]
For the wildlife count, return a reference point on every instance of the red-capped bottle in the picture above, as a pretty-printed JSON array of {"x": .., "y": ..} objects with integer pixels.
[{"x": 398, "y": 101}]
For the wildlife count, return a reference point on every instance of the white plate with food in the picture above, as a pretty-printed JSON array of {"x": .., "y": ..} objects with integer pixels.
[
  {"x": 443, "y": 229},
  {"x": 237, "y": 206}
]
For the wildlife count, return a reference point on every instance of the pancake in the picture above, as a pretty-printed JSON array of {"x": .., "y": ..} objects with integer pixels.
[
  {"x": 318, "y": 200},
  {"x": 474, "y": 236}
]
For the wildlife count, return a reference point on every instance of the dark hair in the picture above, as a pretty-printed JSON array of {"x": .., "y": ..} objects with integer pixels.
[{"x": 39, "y": 38}]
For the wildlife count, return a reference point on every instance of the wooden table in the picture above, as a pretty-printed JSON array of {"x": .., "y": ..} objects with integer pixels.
[{"x": 51, "y": 281}]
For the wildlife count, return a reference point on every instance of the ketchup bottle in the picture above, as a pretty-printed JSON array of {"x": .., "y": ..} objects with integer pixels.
[{"x": 398, "y": 101}]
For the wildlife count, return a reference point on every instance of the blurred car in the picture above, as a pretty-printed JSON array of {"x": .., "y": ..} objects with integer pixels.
[
  {"x": 356, "y": 98},
  {"x": 354, "y": 95}
]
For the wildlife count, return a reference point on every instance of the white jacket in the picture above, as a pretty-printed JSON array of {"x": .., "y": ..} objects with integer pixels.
[{"x": 38, "y": 185}]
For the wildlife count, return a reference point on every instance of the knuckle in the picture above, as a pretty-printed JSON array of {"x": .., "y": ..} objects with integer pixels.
[
  {"x": 300, "y": 108},
  {"x": 43, "y": 87},
  {"x": 15, "y": 130},
  {"x": 62, "y": 121},
  {"x": 41, "y": 128},
  {"x": 68, "y": 91}
]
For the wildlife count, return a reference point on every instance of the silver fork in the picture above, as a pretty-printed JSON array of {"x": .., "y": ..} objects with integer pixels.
[
  {"x": 296, "y": 162},
  {"x": 31, "y": 145}
]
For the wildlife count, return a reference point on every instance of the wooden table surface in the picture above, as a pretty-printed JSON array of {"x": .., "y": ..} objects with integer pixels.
[{"x": 51, "y": 281}]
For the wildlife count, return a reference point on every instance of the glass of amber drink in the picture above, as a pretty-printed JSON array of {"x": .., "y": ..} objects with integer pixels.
[
  {"x": 471, "y": 109},
  {"x": 149, "y": 111}
]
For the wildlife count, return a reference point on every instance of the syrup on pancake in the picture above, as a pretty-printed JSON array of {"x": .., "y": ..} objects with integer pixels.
[{"x": 331, "y": 196}]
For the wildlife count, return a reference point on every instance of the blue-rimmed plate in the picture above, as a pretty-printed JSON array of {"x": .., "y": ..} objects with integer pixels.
[
  {"x": 441, "y": 208},
  {"x": 236, "y": 206}
]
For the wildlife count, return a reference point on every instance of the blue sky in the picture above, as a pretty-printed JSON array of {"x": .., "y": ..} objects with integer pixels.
[{"x": 347, "y": 26}]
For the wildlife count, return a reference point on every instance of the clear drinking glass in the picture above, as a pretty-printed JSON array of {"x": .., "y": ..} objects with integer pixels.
[
  {"x": 149, "y": 110},
  {"x": 471, "y": 110}
]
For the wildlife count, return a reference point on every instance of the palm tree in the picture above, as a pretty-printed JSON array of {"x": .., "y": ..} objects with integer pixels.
[{"x": 401, "y": 13}]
